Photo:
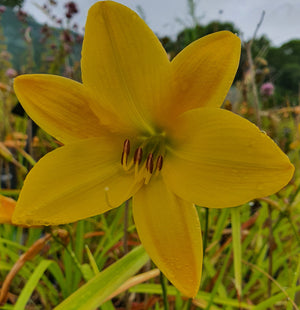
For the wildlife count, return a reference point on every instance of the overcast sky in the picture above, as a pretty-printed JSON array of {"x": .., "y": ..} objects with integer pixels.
[{"x": 281, "y": 22}]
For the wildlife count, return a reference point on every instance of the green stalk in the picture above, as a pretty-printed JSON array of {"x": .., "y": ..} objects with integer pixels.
[
  {"x": 237, "y": 248},
  {"x": 164, "y": 291},
  {"x": 294, "y": 229},
  {"x": 205, "y": 230}
]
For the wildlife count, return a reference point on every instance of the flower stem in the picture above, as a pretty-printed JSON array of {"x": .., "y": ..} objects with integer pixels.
[
  {"x": 125, "y": 236},
  {"x": 294, "y": 229},
  {"x": 271, "y": 247},
  {"x": 164, "y": 291},
  {"x": 253, "y": 83},
  {"x": 205, "y": 230},
  {"x": 188, "y": 304},
  {"x": 125, "y": 246},
  {"x": 237, "y": 248}
]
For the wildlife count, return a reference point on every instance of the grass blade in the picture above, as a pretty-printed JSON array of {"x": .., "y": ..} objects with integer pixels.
[
  {"x": 93, "y": 294},
  {"x": 31, "y": 284},
  {"x": 294, "y": 285}
]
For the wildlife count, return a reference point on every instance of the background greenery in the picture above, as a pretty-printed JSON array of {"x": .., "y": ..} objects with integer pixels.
[{"x": 252, "y": 253}]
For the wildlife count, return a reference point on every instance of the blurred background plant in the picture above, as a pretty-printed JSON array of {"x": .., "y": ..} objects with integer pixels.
[{"x": 252, "y": 256}]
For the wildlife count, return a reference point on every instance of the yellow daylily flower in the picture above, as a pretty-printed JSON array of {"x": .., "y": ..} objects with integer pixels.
[
  {"x": 163, "y": 120},
  {"x": 7, "y": 207}
]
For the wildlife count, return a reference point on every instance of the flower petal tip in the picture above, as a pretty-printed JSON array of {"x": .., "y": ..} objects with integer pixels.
[
  {"x": 7, "y": 207},
  {"x": 19, "y": 80},
  {"x": 190, "y": 290},
  {"x": 290, "y": 171},
  {"x": 24, "y": 220},
  {"x": 228, "y": 35},
  {"x": 102, "y": 6}
]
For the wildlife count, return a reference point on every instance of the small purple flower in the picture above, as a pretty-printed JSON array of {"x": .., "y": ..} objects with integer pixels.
[
  {"x": 2, "y": 9},
  {"x": 11, "y": 73},
  {"x": 5, "y": 55},
  {"x": 71, "y": 9},
  {"x": 267, "y": 89}
]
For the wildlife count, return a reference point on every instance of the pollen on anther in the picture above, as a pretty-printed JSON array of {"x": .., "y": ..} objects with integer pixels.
[{"x": 149, "y": 163}]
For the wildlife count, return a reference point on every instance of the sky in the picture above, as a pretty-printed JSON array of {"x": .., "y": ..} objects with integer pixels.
[{"x": 281, "y": 22}]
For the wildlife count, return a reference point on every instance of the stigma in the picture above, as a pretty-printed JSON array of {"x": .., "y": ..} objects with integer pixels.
[{"x": 146, "y": 160}]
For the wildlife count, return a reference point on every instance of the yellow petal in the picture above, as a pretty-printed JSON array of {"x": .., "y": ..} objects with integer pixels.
[
  {"x": 203, "y": 72},
  {"x": 59, "y": 105},
  {"x": 222, "y": 160},
  {"x": 7, "y": 207},
  {"x": 73, "y": 182},
  {"x": 170, "y": 231},
  {"x": 124, "y": 63}
]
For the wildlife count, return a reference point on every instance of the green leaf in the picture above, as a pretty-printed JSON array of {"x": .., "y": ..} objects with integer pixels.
[
  {"x": 108, "y": 306},
  {"x": 13, "y": 244},
  {"x": 294, "y": 284},
  {"x": 59, "y": 278},
  {"x": 147, "y": 288},
  {"x": 268, "y": 303},
  {"x": 31, "y": 284},
  {"x": 87, "y": 271},
  {"x": 92, "y": 260},
  {"x": 218, "y": 282},
  {"x": 94, "y": 293}
]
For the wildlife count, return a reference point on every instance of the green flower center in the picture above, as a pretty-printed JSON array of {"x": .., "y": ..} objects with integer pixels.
[{"x": 147, "y": 156}]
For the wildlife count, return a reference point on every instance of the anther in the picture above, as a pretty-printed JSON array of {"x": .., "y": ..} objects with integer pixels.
[
  {"x": 126, "y": 148},
  {"x": 138, "y": 156},
  {"x": 125, "y": 153},
  {"x": 159, "y": 163},
  {"x": 149, "y": 163}
]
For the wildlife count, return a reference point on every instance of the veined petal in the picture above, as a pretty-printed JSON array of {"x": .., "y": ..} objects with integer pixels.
[
  {"x": 73, "y": 182},
  {"x": 124, "y": 63},
  {"x": 204, "y": 71},
  {"x": 58, "y": 105},
  {"x": 222, "y": 160},
  {"x": 7, "y": 207},
  {"x": 170, "y": 231}
]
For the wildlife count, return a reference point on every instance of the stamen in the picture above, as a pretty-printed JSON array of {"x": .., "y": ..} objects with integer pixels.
[
  {"x": 137, "y": 159},
  {"x": 126, "y": 146},
  {"x": 159, "y": 163},
  {"x": 138, "y": 156},
  {"x": 149, "y": 163},
  {"x": 147, "y": 177},
  {"x": 125, "y": 153},
  {"x": 145, "y": 165}
]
